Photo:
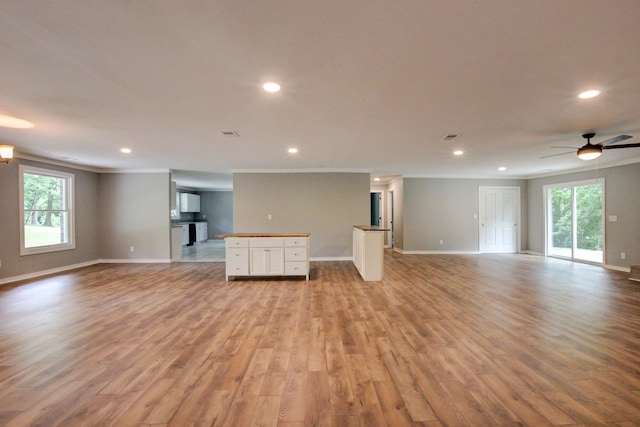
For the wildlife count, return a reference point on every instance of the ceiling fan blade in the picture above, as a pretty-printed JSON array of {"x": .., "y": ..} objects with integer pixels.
[
  {"x": 613, "y": 140},
  {"x": 559, "y": 154},
  {"x": 609, "y": 147}
]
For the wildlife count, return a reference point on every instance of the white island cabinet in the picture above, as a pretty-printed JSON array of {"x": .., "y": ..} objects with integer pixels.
[
  {"x": 368, "y": 255},
  {"x": 261, "y": 254}
]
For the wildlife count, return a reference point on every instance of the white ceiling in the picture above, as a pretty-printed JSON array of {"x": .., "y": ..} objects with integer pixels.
[{"x": 367, "y": 86}]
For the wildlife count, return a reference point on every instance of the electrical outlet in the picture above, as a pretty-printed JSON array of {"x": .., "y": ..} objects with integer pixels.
[
  {"x": 442, "y": 242},
  {"x": 623, "y": 255},
  {"x": 131, "y": 249},
  {"x": 269, "y": 217}
]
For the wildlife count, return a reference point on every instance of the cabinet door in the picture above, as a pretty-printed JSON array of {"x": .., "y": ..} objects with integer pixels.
[
  {"x": 201, "y": 231},
  {"x": 266, "y": 261},
  {"x": 276, "y": 261},
  {"x": 189, "y": 202},
  {"x": 184, "y": 202},
  {"x": 185, "y": 234}
]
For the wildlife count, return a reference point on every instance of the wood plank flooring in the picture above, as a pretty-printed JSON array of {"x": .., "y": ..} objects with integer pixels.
[{"x": 444, "y": 340}]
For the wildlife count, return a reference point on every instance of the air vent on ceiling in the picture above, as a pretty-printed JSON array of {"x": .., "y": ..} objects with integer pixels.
[
  {"x": 450, "y": 137},
  {"x": 231, "y": 133}
]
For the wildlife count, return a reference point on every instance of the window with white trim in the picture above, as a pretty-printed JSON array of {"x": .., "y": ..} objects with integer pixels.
[{"x": 46, "y": 210}]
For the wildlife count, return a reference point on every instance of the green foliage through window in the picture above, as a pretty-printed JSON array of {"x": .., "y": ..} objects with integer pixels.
[{"x": 589, "y": 214}]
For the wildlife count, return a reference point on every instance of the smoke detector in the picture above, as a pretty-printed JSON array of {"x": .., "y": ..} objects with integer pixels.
[{"x": 231, "y": 133}]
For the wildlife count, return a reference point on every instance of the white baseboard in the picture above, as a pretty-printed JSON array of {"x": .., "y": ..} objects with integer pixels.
[
  {"x": 532, "y": 253},
  {"x": 617, "y": 268},
  {"x": 438, "y": 252},
  {"x": 338, "y": 258},
  {"x": 47, "y": 272},
  {"x": 135, "y": 261},
  {"x": 36, "y": 274}
]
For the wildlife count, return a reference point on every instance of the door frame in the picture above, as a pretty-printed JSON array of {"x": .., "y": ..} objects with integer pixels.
[
  {"x": 518, "y": 213},
  {"x": 546, "y": 207}
]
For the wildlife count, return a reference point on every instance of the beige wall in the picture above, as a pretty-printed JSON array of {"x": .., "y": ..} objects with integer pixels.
[
  {"x": 327, "y": 205},
  {"x": 134, "y": 211},
  {"x": 443, "y": 209}
]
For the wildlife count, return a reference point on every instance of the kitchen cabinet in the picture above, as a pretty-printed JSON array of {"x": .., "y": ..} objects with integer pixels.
[
  {"x": 189, "y": 202},
  {"x": 263, "y": 254},
  {"x": 201, "y": 231}
]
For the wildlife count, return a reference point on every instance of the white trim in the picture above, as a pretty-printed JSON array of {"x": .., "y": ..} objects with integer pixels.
[
  {"x": 528, "y": 252},
  {"x": 337, "y": 258},
  {"x": 37, "y": 274},
  {"x": 87, "y": 168},
  {"x": 310, "y": 170},
  {"x": 136, "y": 261},
  {"x": 47, "y": 272},
  {"x": 617, "y": 268},
  {"x": 56, "y": 162},
  {"x": 589, "y": 168},
  {"x": 438, "y": 252},
  {"x": 135, "y": 171}
]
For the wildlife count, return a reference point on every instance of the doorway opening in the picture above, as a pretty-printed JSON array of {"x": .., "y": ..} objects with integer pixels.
[{"x": 376, "y": 213}]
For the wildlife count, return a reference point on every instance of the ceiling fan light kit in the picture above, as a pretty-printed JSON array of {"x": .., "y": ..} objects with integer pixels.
[{"x": 591, "y": 151}]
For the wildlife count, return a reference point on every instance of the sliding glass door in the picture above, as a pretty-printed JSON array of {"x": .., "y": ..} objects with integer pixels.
[{"x": 575, "y": 220}]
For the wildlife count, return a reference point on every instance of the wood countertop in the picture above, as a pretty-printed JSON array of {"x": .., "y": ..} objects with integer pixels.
[
  {"x": 247, "y": 235},
  {"x": 371, "y": 228}
]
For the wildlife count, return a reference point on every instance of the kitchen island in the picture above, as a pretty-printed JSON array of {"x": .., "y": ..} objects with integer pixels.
[
  {"x": 266, "y": 254},
  {"x": 368, "y": 247}
]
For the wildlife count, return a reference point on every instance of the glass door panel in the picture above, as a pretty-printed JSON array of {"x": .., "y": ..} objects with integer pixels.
[
  {"x": 589, "y": 227},
  {"x": 561, "y": 239}
]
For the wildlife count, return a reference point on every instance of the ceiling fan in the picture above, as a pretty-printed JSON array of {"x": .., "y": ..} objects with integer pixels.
[{"x": 591, "y": 151}]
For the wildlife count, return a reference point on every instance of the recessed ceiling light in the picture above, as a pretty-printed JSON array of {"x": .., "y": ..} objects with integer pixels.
[
  {"x": 292, "y": 150},
  {"x": 271, "y": 87},
  {"x": 589, "y": 94},
  {"x": 458, "y": 153},
  {"x": 502, "y": 168},
  {"x": 376, "y": 179},
  {"x": 14, "y": 122},
  {"x": 125, "y": 150}
]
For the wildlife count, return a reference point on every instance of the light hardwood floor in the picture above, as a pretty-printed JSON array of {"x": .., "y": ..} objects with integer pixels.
[{"x": 450, "y": 340}]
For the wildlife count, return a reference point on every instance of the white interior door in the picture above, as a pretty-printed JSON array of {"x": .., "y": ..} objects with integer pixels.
[{"x": 499, "y": 219}]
